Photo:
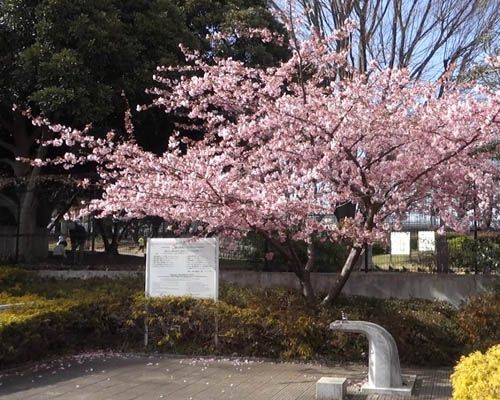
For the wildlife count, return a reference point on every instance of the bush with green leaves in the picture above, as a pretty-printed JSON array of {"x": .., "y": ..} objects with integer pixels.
[
  {"x": 74, "y": 315},
  {"x": 51, "y": 317},
  {"x": 479, "y": 320},
  {"x": 278, "y": 323},
  {"x": 57, "y": 326},
  {"x": 330, "y": 257},
  {"x": 467, "y": 253}
]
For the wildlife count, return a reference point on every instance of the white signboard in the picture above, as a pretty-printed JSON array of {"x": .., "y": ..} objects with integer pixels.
[
  {"x": 183, "y": 267},
  {"x": 426, "y": 241},
  {"x": 400, "y": 243}
]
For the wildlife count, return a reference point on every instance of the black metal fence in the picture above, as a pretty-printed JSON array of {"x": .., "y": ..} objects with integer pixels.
[
  {"x": 477, "y": 252},
  {"x": 14, "y": 245},
  {"x": 417, "y": 247}
]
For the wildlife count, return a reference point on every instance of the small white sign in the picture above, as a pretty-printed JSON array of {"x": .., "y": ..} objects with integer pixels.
[
  {"x": 183, "y": 267},
  {"x": 426, "y": 241},
  {"x": 400, "y": 243}
]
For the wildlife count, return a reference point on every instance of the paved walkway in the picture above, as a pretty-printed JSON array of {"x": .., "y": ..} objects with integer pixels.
[{"x": 99, "y": 376}]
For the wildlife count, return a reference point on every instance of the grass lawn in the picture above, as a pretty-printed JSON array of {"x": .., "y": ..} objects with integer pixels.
[{"x": 416, "y": 261}]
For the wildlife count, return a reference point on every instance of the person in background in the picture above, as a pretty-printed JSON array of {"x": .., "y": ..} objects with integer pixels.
[
  {"x": 142, "y": 244},
  {"x": 78, "y": 236},
  {"x": 60, "y": 248}
]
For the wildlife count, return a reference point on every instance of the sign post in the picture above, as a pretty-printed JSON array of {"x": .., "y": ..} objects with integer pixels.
[
  {"x": 182, "y": 267},
  {"x": 426, "y": 241},
  {"x": 400, "y": 243}
]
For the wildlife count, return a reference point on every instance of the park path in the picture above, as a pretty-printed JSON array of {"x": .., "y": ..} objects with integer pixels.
[{"x": 103, "y": 376}]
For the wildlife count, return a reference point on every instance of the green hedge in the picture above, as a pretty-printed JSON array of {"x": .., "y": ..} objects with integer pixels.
[
  {"x": 51, "y": 327},
  {"x": 479, "y": 320},
  {"x": 330, "y": 257},
  {"x": 278, "y": 324},
  {"x": 54, "y": 317},
  {"x": 66, "y": 316},
  {"x": 466, "y": 252}
]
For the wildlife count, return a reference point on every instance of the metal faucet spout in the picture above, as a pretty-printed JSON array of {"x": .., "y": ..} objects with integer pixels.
[{"x": 384, "y": 370}]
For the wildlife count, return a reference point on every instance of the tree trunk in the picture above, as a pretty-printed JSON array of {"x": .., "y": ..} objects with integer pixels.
[
  {"x": 303, "y": 271},
  {"x": 112, "y": 235},
  {"x": 26, "y": 177},
  {"x": 155, "y": 226},
  {"x": 295, "y": 264},
  {"x": 27, "y": 229},
  {"x": 307, "y": 287},
  {"x": 135, "y": 231},
  {"x": 29, "y": 251},
  {"x": 109, "y": 239},
  {"x": 61, "y": 213},
  {"x": 348, "y": 267},
  {"x": 112, "y": 248}
]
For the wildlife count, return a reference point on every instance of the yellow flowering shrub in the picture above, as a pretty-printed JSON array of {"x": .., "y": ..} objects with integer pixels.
[{"x": 477, "y": 376}]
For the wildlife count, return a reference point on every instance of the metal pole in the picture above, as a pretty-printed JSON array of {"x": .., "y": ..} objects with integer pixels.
[
  {"x": 216, "y": 331},
  {"x": 93, "y": 233},
  {"x": 266, "y": 249},
  {"x": 366, "y": 258},
  {"x": 18, "y": 223},
  {"x": 475, "y": 236},
  {"x": 476, "y": 267},
  {"x": 146, "y": 329}
]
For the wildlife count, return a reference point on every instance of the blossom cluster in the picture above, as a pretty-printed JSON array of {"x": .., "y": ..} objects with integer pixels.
[{"x": 286, "y": 144}]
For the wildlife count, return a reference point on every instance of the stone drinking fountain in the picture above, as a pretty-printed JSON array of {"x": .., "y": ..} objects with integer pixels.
[{"x": 384, "y": 371}]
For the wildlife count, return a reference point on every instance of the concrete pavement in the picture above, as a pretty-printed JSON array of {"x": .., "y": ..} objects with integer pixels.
[{"x": 114, "y": 376}]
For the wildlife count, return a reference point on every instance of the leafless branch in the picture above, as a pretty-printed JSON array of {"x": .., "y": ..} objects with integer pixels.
[{"x": 426, "y": 36}]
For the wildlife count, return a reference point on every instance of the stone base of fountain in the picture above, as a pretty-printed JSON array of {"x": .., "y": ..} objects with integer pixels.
[
  {"x": 405, "y": 390},
  {"x": 384, "y": 371},
  {"x": 331, "y": 388}
]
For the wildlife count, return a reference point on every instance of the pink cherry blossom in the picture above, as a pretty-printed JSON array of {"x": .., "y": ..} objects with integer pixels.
[{"x": 286, "y": 145}]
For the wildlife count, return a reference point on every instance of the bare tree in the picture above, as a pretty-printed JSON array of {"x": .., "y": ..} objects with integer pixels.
[{"x": 426, "y": 36}]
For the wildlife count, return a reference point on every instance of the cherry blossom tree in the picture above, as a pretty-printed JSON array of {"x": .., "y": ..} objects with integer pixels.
[{"x": 286, "y": 146}]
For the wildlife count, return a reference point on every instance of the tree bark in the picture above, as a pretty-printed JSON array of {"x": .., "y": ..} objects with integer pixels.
[
  {"x": 108, "y": 238},
  {"x": 28, "y": 229},
  {"x": 28, "y": 203},
  {"x": 301, "y": 270},
  {"x": 61, "y": 213},
  {"x": 155, "y": 226},
  {"x": 112, "y": 235},
  {"x": 348, "y": 267},
  {"x": 26, "y": 180},
  {"x": 307, "y": 287}
]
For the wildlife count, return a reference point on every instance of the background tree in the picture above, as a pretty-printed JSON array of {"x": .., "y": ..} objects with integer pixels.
[
  {"x": 426, "y": 36},
  {"x": 71, "y": 61},
  {"x": 205, "y": 17}
]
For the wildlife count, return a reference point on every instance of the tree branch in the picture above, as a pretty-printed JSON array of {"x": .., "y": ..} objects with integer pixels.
[
  {"x": 8, "y": 146},
  {"x": 8, "y": 162}
]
